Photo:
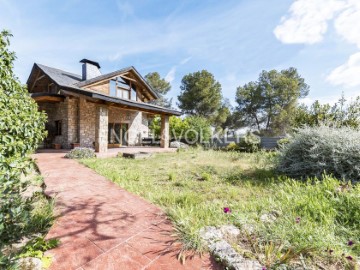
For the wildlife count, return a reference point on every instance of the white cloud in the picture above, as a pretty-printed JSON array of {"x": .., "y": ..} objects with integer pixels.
[
  {"x": 347, "y": 74},
  {"x": 170, "y": 76},
  {"x": 184, "y": 61},
  {"x": 308, "y": 21},
  {"x": 346, "y": 24}
]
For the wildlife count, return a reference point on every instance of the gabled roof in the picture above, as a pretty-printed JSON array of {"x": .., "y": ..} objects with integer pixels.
[
  {"x": 64, "y": 78},
  {"x": 71, "y": 82},
  {"x": 60, "y": 77},
  {"x": 115, "y": 73}
]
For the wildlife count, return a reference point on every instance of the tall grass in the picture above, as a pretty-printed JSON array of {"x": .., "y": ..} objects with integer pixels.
[{"x": 313, "y": 219}]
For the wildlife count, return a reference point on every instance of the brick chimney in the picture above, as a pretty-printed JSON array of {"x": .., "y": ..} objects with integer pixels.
[{"x": 90, "y": 69}]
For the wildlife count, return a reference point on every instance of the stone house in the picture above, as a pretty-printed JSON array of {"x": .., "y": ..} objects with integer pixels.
[{"x": 96, "y": 110}]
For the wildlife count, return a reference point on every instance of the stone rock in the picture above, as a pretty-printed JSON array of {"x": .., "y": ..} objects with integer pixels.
[
  {"x": 139, "y": 155},
  {"x": 226, "y": 253},
  {"x": 270, "y": 217},
  {"x": 178, "y": 145},
  {"x": 30, "y": 263},
  {"x": 230, "y": 233},
  {"x": 267, "y": 218},
  {"x": 210, "y": 234},
  {"x": 217, "y": 241},
  {"x": 248, "y": 228}
]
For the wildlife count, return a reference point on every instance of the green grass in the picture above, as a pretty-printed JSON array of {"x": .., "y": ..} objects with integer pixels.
[{"x": 194, "y": 186}]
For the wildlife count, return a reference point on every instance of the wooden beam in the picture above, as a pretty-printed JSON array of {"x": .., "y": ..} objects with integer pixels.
[
  {"x": 48, "y": 99},
  {"x": 135, "y": 110},
  {"x": 36, "y": 79},
  {"x": 127, "y": 78}
]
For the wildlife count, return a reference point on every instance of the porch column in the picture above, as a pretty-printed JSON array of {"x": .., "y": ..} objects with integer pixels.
[
  {"x": 164, "y": 141},
  {"x": 101, "y": 129}
]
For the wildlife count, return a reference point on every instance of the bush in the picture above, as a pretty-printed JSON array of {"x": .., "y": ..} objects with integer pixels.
[
  {"x": 315, "y": 150},
  {"x": 22, "y": 128},
  {"x": 232, "y": 147},
  {"x": 81, "y": 152},
  {"x": 249, "y": 143},
  {"x": 192, "y": 129},
  {"x": 283, "y": 141}
]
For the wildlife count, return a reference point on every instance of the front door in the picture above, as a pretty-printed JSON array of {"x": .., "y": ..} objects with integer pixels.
[{"x": 117, "y": 134}]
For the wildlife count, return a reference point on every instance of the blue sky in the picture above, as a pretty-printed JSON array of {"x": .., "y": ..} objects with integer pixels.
[{"x": 233, "y": 39}]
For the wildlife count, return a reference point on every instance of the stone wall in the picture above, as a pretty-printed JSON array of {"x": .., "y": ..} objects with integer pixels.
[
  {"x": 79, "y": 122},
  {"x": 55, "y": 112},
  {"x": 72, "y": 121},
  {"x": 87, "y": 122},
  {"x": 101, "y": 129},
  {"x": 137, "y": 121},
  {"x": 138, "y": 128}
]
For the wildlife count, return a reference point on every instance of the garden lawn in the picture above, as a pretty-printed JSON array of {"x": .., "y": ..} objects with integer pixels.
[{"x": 283, "y": 221}]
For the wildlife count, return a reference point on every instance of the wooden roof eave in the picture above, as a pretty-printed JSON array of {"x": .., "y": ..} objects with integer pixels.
[
  {"x": 46, "y": 97},
  {"x": 112, "y": 101}
]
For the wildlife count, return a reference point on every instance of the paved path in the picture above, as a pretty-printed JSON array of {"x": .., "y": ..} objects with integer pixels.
[{"x": 102, "y": 226}]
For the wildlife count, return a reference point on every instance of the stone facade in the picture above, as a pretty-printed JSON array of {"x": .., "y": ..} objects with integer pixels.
[
  {"x": 137, "y": 123},
  {"x": 86, "y": 123},
  {"x": 101, "y": 129},
  {"x": 164, "y": 140},
  {"x": 72, "y": 122},
  {"x": 55, "y": 112}
]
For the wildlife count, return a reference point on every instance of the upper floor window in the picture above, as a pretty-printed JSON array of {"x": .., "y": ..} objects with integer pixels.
[{"x": 122, "y": 89}]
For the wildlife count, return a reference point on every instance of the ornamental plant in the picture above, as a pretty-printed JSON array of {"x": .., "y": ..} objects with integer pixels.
[
  {"x": 81, "y": 152},
  {"x": 249, "y": 143},
  {"x": 22, "y": 128},
  {"x": 315, "y": 150}
]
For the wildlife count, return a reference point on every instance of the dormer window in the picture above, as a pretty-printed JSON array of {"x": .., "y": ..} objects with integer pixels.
[{"x": 122, "y": 89}]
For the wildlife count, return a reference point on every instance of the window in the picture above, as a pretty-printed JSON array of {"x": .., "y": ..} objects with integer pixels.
[
  {"x": 133, "y": 92},
  {"x": 122, "y": 89},
  {"x": 113, "y": 88},
  {"x": 58, "y": 127}
]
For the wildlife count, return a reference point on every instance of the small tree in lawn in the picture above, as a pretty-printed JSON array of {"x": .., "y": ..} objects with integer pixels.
[
  {"x": 270, "y": 102},
  {"x": 21, "y": 130},
  {"x": 200, "y": 95}
]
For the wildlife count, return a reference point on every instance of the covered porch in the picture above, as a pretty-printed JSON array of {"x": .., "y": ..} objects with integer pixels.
[{"x": 103, "y": 123}]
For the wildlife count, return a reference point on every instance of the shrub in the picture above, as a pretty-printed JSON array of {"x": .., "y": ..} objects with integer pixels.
[
  {"x": 232, "y": 147},
  {"x": 249, "y": 143},
  {"x": 315, "y": 150},
  {"x": 192, "y": 129},
  {"x": 22, "y": 128},
  {"x": 81, "y": 152},
  {"x": 283, "y": 141}
]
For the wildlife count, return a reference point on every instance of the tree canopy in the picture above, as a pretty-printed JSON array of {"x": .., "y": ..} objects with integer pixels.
[
  {"x": 160, "y": 86},
  {"x": 340, "y": 114},
  {"x": 200, "y": 95},
  {"x": 192, "y": 129},
  {"x": 269, "y": 102}
]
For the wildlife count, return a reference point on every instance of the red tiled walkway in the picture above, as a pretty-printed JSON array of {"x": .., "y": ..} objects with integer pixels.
[{"x": 102, "y": 226}]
